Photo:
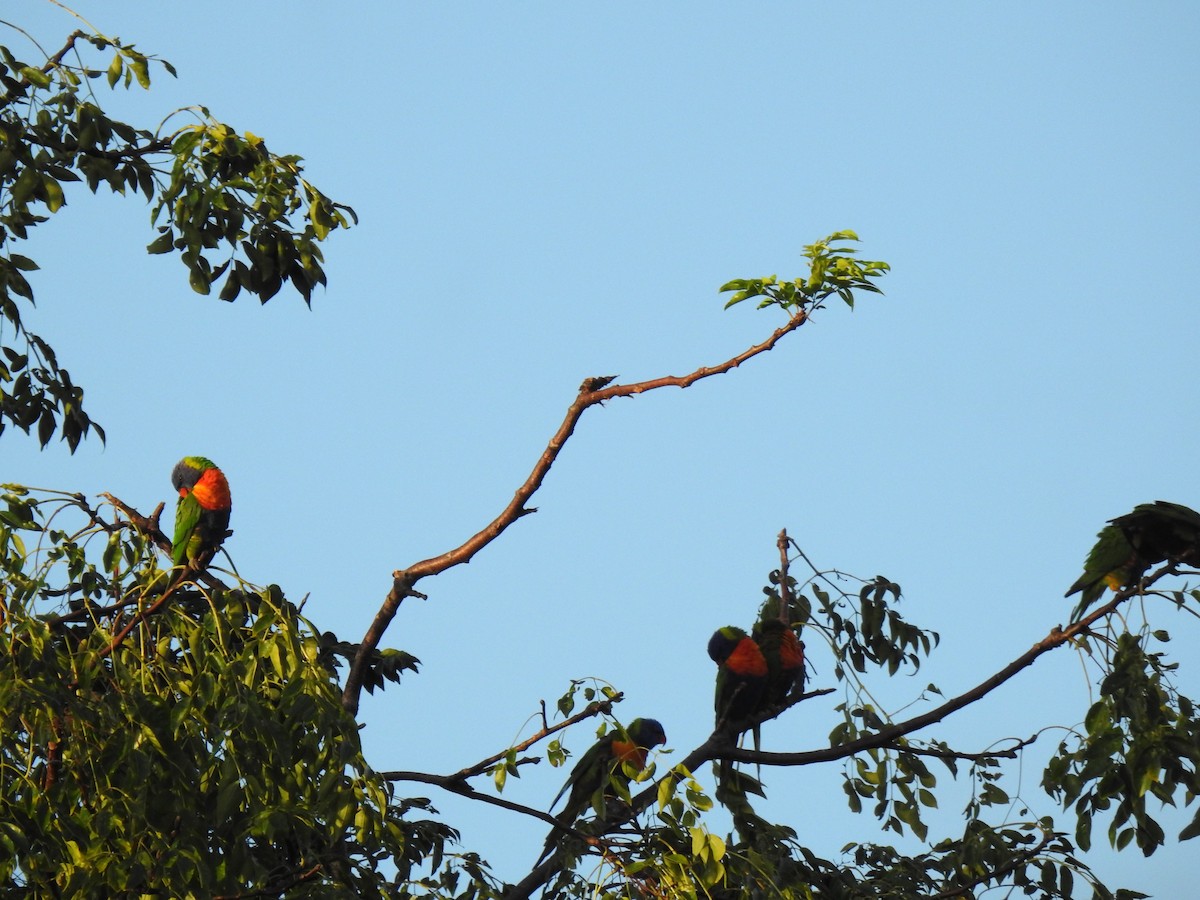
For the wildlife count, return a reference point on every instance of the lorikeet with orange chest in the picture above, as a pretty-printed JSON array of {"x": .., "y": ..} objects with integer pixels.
[
  {"x": 202, "y": 515},
  {"x": 741, "y": 678},
  {"x": 589, "y": 781},
  {"x": 741, "y": 675}
]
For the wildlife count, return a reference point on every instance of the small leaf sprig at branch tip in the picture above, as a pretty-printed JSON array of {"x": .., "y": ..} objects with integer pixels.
[{"x": 832, "y": 271}]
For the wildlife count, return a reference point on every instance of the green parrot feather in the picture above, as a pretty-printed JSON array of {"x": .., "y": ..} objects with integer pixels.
[{"x": 187, "y": 515}]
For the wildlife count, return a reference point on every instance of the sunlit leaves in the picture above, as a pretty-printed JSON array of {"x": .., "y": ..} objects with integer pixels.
[
  {"x": 208, "y": 753},
  {"x": 832, "y": 270},
  {"x": 228, "y": 193}
]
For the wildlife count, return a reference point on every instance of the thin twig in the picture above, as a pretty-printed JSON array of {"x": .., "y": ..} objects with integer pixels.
[{"x": 595, "y": 708}]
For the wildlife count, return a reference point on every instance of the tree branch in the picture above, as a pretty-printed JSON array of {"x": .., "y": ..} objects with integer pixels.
[
  {"x": 403, "y": 580},
  {"x": 456, "y": 785},
  {"x": 1019, "y": 860},
  {"x": 948, "y": 753},
  {"x": 595, "y": 708}
]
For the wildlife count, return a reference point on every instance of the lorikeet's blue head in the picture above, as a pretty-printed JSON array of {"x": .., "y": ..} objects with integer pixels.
[
  {"x": 647, "y": 733},
  {"x": 723, "y": 642}
]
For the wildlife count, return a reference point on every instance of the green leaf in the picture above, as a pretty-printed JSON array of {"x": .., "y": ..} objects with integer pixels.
[
  {"x": 164, "y": 243},
  {"x": 114, "y": 70},
  {"x": 36, "y": 77},
  {"x": 54, "y": 194},
  {"x": 1192, "y": 829},
  {"x": 198, "y": 281}
]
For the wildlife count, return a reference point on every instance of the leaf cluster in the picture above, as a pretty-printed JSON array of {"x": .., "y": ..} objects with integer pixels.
[
  {"x": 209, "y": 753},
  {"x": 832, "y": 270},
  {"x": 232, "y": 209},
  {"x": 1140, "y": 741}
]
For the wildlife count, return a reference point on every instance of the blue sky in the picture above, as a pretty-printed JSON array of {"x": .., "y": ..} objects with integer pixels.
[{"x": 549, "y": 192}]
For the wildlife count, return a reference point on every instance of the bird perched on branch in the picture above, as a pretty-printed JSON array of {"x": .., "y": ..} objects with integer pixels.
[
  {"x": 1132, "y": 543},
  {"x": 591, "y": 781},
  {"x": 784, "y": 655},
  {"x": 741, "y": 675},
  {"x": 782, "y": 650},
  {"x": 202, "y": 514}
]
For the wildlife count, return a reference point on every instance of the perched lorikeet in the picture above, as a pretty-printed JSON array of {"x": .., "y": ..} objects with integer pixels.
[
  {"x": 1132, "y": 543},
  {"x": 741, "y": 675},
  {"x": 783, "y": 652},
  {"x": 602, "y": 762},
  {"x": 1162, "y": 530},
  {"x": 202, "y": 515}
]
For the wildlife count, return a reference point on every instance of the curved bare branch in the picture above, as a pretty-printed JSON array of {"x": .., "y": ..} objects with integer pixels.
[{"x": 593, "y": 392}]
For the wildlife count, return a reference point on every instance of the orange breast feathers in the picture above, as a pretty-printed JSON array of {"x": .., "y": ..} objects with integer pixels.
[
  {"x": 212, "y": 490},
  {"x": 791, "y": 651},
  {"x": 747, "y": 660},
  {"x": 629, "y": 752}
]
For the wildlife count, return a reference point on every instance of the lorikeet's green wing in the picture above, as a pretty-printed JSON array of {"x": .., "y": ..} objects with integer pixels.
[
  {"x": 590, "y": 780},
  {"x": 1112, "y": 562},
  {"x": 585, "y": 778},
  {"x": 187, "y": 516}
]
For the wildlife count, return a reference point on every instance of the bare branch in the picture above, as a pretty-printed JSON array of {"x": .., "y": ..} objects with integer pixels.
[
  {"x": 456, "y": 785},
  {"x": 785, "y": 589},
  {"x": 403, "y": 580},
  {"x": 948, "y": 753}
]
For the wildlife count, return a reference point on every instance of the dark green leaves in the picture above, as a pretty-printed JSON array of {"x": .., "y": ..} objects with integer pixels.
[
  {"x": 1142, "y": 741},
  {"x": 832, "y": 270},
  {"x": 236, "y": 213},
  {"x": 229, "y": 194}
]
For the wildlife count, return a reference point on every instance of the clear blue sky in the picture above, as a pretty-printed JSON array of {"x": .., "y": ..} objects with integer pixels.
[{"x": 554, "y": 191}]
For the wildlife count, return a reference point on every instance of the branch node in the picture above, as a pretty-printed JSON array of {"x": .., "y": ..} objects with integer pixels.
[{"x": 594, "y": 384}]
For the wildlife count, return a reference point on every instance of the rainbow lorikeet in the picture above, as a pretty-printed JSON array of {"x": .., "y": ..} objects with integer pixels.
[
  {"x": 741, "y": 675},
  {"x": 782, "y": 650},
  {"x": 1132, "y": 543},
  {"x": 591, "y": 779},
  {"x": 202, "y": 514},
  {"x": 741, "y": 678}
]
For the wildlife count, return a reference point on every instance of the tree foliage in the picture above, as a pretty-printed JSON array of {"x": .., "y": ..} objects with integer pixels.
[
  {"x": 181, "y": 732},
  {"x": 236, "y": 213}
]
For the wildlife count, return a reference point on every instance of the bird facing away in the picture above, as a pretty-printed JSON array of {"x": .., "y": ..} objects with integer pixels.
[
  {"x": 782, "y": 650},
  {"x": 741, "y": 675},
  {"x": 1132, "y": 543},
  {"x": 591, "y": 779},
  {"x": 202, "y": 514}
]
